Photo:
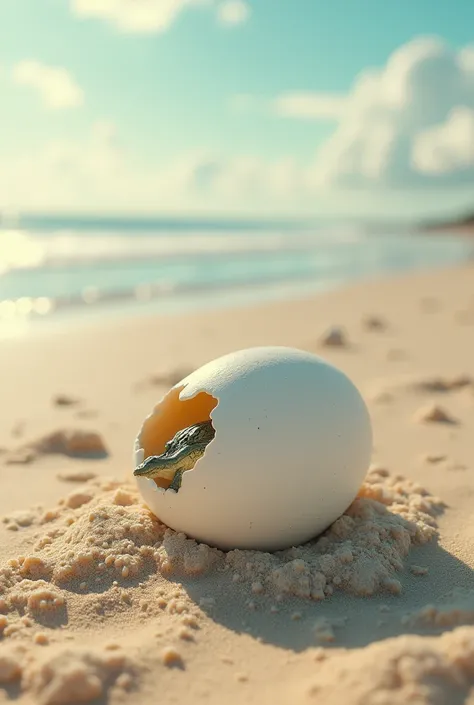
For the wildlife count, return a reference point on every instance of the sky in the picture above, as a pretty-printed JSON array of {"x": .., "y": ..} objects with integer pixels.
[{"x": 237, "y": 107}]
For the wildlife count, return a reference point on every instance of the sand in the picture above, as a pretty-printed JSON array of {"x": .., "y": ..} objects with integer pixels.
[{"x": 100, "y": 602}]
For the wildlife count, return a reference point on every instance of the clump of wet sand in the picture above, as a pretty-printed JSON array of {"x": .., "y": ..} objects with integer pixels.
[
  {"x": 423, "y": 385},
  {"x": 66, "y": 675},
  {"x": 334, "y": 337},
  {"x": 74, "y": 443},
  {"x": 434, "y": 413},
  {"x": 65, "y": 400}
]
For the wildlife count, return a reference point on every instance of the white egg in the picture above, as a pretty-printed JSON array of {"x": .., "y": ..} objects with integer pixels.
[{"x": 292, "y": 445}]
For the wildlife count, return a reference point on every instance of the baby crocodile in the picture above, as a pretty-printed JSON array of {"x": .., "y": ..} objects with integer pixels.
[{"x": 181, "y": 454}]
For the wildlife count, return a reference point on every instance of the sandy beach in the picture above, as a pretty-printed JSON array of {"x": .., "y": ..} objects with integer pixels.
[{"x": 99, "y": 602}]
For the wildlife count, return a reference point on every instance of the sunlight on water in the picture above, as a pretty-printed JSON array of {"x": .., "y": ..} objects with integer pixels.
[
  {"x": 66, "y": 271},
  {"x": 23, "y": 307},
  {"x": 19, "y": 251}
]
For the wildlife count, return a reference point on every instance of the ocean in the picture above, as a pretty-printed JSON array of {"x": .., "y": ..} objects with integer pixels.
[{"x": 52, "y": 268}]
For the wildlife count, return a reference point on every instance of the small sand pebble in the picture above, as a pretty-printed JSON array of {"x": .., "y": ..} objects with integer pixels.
[
  {"x": 418, "y": 570},
  {"x": 433, "y": 413},
  {"x": 21, "y": 518},
  {"x": 185, "y": 634},
  {"x": 393, "y": 585},
  {"x": 443, "y": 384},
  {"x": 21, "y": 457},
  {"x": 374, "y": 323},
  {"x": 190, "y": 621},
  {"x": 65, "y": 400},
  {"x": 319, "y": 654},
  {"x": 124, "y": 681},
  {"x": 171, "y": 657},
  {"x": 112, "y": 646},
  {"x": 41, "y": 638},
  {"x": 378, "y": 470},
  {"x": 335, "y": 337},
  {"x": 78, "y": 499},
  {"x": 434, "y": 458}
]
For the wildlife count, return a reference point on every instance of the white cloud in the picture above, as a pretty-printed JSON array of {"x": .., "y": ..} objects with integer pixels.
[
  {"x": 409, "y": 123},
  {"x": 246, "y": 178},
  {"x": 64, "y": 173},
  {"x": 55, "y": 85},
  {"x": 448, "y": 147},
  {"x": 140, "y": 16},
  {"x": 303, "y": 105},
  {"x": 154, "y": 16},
  {"x": 233, "y": 12},
  {"x": 308, "y": 105},
  {"x": 96, "y": 172}
]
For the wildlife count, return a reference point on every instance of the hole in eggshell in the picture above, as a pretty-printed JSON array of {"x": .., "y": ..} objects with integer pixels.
[{"x": 171, "y": 415}]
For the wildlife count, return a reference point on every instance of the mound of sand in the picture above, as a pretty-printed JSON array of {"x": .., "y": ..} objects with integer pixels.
[
  {"x": 102, "y": 536},
  {"x": 408, "y": 669}
]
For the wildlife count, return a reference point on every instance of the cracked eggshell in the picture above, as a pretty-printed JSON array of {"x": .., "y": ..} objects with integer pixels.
[{"x": 292, "y": 446}]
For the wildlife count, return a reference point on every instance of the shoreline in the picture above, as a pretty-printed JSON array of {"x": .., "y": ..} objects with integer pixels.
[
  {"x": 203, "y": 302},
  {"x": 193, "y": 299},
  {"x": 46, "y": 296},
  {"x": 241, "y": 639},
  {"x": 454, "y": 227}
]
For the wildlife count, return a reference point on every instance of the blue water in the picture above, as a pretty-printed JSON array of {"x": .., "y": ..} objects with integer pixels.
[{"x": 53, "y": 266}]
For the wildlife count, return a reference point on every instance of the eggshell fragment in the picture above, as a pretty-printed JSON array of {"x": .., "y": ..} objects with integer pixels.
[{"x": 292, "y": 446}]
